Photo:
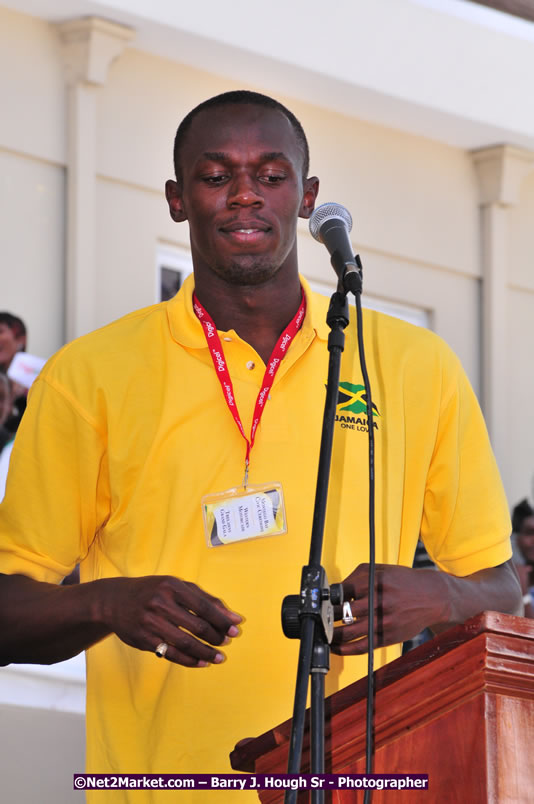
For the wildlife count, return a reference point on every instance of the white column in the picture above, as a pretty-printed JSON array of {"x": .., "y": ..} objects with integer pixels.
[
  {"x": 89, "y": 47},
  {"x": 500, "y": 172}
]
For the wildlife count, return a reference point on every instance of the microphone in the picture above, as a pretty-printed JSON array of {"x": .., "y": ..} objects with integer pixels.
[{"x": 330, "y": 224}]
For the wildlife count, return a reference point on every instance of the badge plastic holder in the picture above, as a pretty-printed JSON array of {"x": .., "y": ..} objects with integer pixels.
[{"x": 244, "y": 513}]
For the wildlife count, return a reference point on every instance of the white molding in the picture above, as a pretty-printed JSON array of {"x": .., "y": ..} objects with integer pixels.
[
  {"x": 90, "y": 45},
  {"x": 448, "y": 70},
  {"x": 406, "y": 312},
  {"x": 500, "y": 172}
]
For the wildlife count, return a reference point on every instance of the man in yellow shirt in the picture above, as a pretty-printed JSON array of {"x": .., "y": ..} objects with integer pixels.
[{"x": 134, "y": 444}]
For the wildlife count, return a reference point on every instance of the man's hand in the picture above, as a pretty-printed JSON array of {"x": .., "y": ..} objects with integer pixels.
[
  {"x": 409, "y": 600},
  {"x": 42, "y": 623},
  {"x": 146, "y": 611},
  {"x": 406, "y": 601}
]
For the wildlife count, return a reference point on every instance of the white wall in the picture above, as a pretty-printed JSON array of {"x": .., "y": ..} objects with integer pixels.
[
  {"x": 32, "y": 182},
  {"x": 41, "y": 750},
  {"x": 518, "y": 468},
  {"x": 31, "y": 88},
  {"x": 32, "y": 247},
  {"x": 42, "y": 731}
]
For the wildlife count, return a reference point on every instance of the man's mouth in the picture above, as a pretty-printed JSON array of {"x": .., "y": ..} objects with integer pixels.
[
  {"x": 248, "y": 232},
  {"x": 245, "y": 225}
]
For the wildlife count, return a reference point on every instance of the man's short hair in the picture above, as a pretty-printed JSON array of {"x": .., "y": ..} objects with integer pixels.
[
  {"x": 245, "y": 98},
  {"x": 521, "y": 512},
  {"x": 14, "y": 323}
]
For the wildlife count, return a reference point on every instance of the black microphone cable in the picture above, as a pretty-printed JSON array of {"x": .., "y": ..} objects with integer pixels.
[{"x": 369, "y": 730}]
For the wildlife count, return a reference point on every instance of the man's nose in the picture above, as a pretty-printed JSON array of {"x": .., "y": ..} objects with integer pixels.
[{"x": 244, "y": 191}]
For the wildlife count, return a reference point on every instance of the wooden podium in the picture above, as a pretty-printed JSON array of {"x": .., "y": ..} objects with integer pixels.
[{"x": 459, "y": 708}]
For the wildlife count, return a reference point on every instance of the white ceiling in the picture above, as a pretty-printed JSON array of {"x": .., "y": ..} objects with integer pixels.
[{"x": 450, "y": 70}]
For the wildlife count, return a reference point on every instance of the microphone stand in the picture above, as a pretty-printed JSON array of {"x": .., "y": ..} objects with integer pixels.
[{"x": 309, "y": 616}]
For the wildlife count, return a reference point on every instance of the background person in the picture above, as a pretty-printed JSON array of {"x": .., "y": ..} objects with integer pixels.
[
  {"x": 6, "y": 437},
  {"x": 13, "y": 337},
  {"x": 523, "y": 527}
]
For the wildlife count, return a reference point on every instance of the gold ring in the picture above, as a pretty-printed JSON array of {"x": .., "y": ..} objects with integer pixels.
[{"x": 161, "y": 650}]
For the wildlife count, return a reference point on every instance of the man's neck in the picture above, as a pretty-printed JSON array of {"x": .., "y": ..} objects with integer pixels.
[{"x": 259, "y": 314}]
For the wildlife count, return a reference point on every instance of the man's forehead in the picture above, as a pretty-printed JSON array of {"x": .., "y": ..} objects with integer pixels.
[{"x": 219, "y": 128}]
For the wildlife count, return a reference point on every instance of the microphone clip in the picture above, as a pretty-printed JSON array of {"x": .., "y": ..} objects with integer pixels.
[{"x": 352, "y": 275}]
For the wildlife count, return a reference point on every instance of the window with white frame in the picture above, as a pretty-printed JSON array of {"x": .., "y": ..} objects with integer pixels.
[{"x": 173, "y": 265}]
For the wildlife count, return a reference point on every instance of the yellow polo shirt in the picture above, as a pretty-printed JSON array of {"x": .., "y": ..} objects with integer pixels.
[{"x": 127, "y": 428}]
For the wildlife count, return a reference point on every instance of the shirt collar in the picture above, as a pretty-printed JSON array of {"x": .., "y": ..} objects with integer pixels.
[{"x": 186, "y": 328}]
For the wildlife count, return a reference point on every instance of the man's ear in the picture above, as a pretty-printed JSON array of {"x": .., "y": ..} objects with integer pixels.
[
  {"x": 174, "y": 199},
  {"x": 311, "y": 190}
]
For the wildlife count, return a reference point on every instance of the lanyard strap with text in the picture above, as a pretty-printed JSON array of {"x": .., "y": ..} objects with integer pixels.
[{"x": 221, "y": 368}]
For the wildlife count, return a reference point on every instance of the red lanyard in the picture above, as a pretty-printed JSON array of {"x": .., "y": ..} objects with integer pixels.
[{"x": 221, "y": 368}]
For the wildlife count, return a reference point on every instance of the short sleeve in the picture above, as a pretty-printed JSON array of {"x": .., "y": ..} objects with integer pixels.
[
  {"x": 57, "y": 489},
  {"x": 466, "y": 525}
]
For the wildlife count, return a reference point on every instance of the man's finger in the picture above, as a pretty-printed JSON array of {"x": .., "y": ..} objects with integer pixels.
[
  {"x": 347, "y": 633},
  {"x": 201, "y": 628},
  {"x": 207, "y": 607},
  {"x": 356, "y": 647}
]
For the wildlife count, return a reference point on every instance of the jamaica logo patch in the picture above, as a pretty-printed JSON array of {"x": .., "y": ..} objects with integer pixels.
[{"x": 352, "y": 399}]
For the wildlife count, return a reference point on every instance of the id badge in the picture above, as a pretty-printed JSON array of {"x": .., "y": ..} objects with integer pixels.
[{"x": 244, "y": 513}]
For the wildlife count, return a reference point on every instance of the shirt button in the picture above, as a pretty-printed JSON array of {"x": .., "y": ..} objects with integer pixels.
[
  {"x": 227, "y": 339},
  {"x": 251, "y": 365}
]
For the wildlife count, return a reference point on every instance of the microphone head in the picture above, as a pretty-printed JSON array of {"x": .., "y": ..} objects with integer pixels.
[{"x": 326, "y": 212}]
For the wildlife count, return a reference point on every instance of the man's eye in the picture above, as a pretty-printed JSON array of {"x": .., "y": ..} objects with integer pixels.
[
  {"x": 214, "y": 179},
  {"x": 272, "y": 178}
]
